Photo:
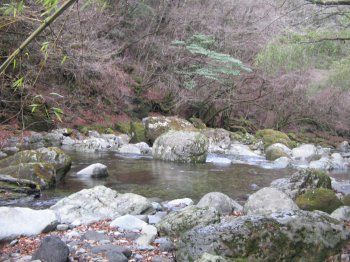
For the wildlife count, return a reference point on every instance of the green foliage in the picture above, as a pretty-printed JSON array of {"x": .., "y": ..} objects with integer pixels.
[
  {"x": 301, "y": 51},
  {"x": 206, "y": 62},
  {"x": 340, "y": 74}
]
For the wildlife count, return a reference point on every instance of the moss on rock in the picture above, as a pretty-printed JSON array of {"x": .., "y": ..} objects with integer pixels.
[
  {"x": 346, "y": 200},
  {"x": 134, "y": 129},
  {"x": 270, "y": 136},
  {"x": 319, "y": 199},
  {"x": 197, "y": 123}
]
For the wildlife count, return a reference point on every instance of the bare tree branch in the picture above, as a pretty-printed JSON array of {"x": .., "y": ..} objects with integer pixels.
[{"x": 330, "y": 2}]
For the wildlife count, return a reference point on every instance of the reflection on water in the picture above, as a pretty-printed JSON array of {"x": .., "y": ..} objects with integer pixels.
[{"x": 164, "y": 180}]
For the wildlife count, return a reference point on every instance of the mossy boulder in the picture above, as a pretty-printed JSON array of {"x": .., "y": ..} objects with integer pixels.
[
  {"x": 41, "y": 168},
  {"x": 302, "y": 181},
  {"x": 178, "y": 222},
  {"x": 181, "y": 146},
  {"x": 284, "y": 236},
  {"x": 277, "y": 150},
  {"x": 270, "y": 136},
  {"x": 197, "y": 123},
  {"x": 134, "y": 129},
  {"x": 346, "y": 200},
  {"x": 155, "y": 126},
  {"x": 319, "y": 199}
]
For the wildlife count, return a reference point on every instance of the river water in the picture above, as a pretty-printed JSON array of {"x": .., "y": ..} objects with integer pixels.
[{"x": 162, "y": 180}]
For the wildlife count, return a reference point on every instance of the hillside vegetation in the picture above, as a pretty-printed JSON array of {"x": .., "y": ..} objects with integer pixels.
[{"x": 239, "y": 64}]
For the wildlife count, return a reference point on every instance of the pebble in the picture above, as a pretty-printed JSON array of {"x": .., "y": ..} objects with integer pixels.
[
  {"x": 62, "y": 227},
  {"x": 145, "y": 248},
  {"x": 13, "y": 242},
  {"x": 254, "y": 187}
]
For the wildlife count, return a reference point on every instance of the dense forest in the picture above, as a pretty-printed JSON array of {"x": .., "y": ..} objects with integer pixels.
[
  {"x": 174, "y": 130},
  {"x": 241, "y": 65}
]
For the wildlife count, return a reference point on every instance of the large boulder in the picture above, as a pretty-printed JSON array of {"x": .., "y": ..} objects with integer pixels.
[
  {"x": 276, "y": 151},
  {"x": 270, "y": 136},
  {"x": 324, "y": 163},
  {"x": 177, "y": 222},
  {"x": 18, "y": 221},
  {"x": 181, "y": 146},
  {"x": 237, "y": 149},
  {"x": 158, "y": 125},
  {"x": 44, "y": 167},
  {"x": 221, "y": 202},
  {"x": 52, "y": 249},
  {"x": 305, "y": 152},
  {"x": 301, "y": 181},
  {"x": 284, "y": 236},
  {"x": 219, "y": 139},
  {"x": 100, "y": 202},
  {"x": 268, "y": 200},
  {"x": 319, "y": 199}
]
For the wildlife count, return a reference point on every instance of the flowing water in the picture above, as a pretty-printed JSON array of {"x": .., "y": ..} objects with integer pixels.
[{"x": 162, "y": 180}]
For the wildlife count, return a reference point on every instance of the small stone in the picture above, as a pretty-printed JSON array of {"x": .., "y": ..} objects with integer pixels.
[
  {"x": 95, "y": 236},
  {"x": 165, "y": 244},
  {"x": 53, "y": 249},
  {"x": 13, "y": 242},
  {"x": 145, "y": 248},
  {"x": 157, "y": 206},
  {"x": 95, "y": 171},
  {"x": 114, "y": 256},
  {"x": 154, "y": 219},
  {"x": 62, "y": 227},
  {"x": 254, "y": 187},
  {"x": 138, "y": 257},
  {"x": 80, "y": 251}
]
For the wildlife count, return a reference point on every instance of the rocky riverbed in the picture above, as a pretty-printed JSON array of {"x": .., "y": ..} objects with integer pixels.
[{"x": 303, "y": 209}]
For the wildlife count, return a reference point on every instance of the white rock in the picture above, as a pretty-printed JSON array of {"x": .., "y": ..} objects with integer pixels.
[
  {"x": 95, "y": 171},
  {"x": 67, "y": 141},
  {"x": 128, "y": 222},
  {"x": 18, "y": 221},
  {"x": 342, "y": 213},
  {"x": 100, "y": 202},
  {"x": 129, "y": 149},
  {"x": 221, "y": 202},
  {"x": 344, "y": 147},
  {"x": 131, "y": 223},
  {"x": 338, "y": 162},
  {"x": 282, "y": 162},
  {"x": 269, "y": 200},
  {"x": 304, "y": 152},
  {"x": 92, "y": 144},
  {"x": 218, "y": 160},
  {"x": 322, "y": 164},
  {"x": 178, "y": 203},
  {"x": 144, "y": 148},
  {"x": 240, "y": 150}
]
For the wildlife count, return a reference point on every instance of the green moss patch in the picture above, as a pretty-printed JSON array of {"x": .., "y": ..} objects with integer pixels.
[
  {"x": 270, "y": 136},
  {"x": 319, "y": 199}
]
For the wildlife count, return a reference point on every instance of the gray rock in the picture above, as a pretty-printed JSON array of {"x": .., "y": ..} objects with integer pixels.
[
  {"x": 277, "y": 150},
  {"x": 165, "y": 244},
  {"x": 337, "y": 162},
  {"x": 323, "y": 163},
  {"x": 155, "y": 126},
  {"x": 52, "y": 249},
  {"x": 269, "y": 200},
  {"x": 131, "y": 223},
  {"x": 306, "y": 152},
  {"x": 206, "y": 257},
  {"x": 62, "y": 227},
  {"x": 284, "y": 236},
  {"x": 154, "y": 219},
  {"x": 221, "y": 202},
  {"x": 144, "y": 148},
  {"x": 178, "y": 204},
  {"x": 111, "y": 248},
  {"x": 177, "y": 222},
  {"x": 114, "y": 256},
  {"x": 181, "y": 146},
  {"x": 342, "y": 213},
  {"x": 129, "y": 149},
  {"x": 18, "y": 221},
  {"x": 2, "y": 155},
  {"x": 282, "y": 162},
  {"x": 93, "y": 144},
  {"x": 219, "y": 139},
  {"x": 161, "y": 259},
  {"x": 301, "y": 181},
  {"x": 344, "y": 147},
  {"x": 91, "y": 205},
  {"x": 95, "y": 236},
  {"x": 238, "y": 149},
  {"x": 10, "y": 150},
  {"x": 95, "y": 171}
]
